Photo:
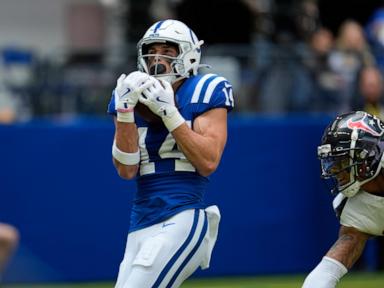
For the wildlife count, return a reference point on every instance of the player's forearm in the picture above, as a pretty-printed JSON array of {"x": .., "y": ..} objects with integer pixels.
[
  {"x": 126, "y": 136},
  {"x": 126, "y": 140},
  {"x": 349, "y": 247},
  {"x": 203, "y": 152}
]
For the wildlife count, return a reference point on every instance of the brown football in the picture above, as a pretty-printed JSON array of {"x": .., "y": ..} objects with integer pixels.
[{"x": 146, "y": 113}]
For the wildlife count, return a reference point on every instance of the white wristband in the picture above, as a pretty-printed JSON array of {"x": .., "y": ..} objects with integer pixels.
[
  {"x": 127, "y": 117},
  {"x": 124, "y": 157},
  {"x": 173, "y": 121}
]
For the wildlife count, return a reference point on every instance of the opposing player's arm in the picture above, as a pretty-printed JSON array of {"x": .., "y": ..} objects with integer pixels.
[
  {"x": 349, "y": 246},
  {"x": 126, "y": 140},
  {"x": 204, "y": 144}
]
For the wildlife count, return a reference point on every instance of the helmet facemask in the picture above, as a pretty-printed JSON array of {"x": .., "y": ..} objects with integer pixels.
[
  {"x": 177, "y": 34},
  {"x": 152, "y": 63},
  {"x": 349, "y": 171}
]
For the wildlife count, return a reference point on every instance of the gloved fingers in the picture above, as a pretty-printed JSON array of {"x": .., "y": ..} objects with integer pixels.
[
  {"x": 146, "y": 85},
  {"x": 135, "y": 75},
  {"x": 136, "y": 78},
  {"x": 121, "y": 79},
  {"x": 157, "y": 88},
  {"x": 148, "y": 94},
  {"x": 145, "y": 97},
  {"x": 167, "y": 86}
]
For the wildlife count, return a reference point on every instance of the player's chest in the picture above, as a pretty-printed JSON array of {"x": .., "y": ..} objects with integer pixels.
[{"x": 157, "y": 142}]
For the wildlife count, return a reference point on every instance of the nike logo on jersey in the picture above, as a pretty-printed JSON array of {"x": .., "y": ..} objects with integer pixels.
[{"x": 167, "y": 224}]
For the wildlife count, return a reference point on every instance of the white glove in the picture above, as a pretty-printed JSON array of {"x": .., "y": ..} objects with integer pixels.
[
  {"x": 160, "y": 99},
  {"x": 127, "y": 93}
]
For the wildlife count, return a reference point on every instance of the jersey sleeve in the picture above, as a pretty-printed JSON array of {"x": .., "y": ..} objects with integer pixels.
[
  {"x": 211, "y": 92},
  {"x": 111, "y": 105}
]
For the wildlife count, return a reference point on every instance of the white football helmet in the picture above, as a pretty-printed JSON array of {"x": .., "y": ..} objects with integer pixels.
[{"x": 177, "y": 33}]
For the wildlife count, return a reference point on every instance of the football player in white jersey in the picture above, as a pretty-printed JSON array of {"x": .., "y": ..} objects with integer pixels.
[
  {"x": 170, "y": 133},
  {"x": 351, "y": 154}
]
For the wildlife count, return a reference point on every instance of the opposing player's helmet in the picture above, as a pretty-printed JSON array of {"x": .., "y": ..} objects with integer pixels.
[
  {"x": 352, "y": 151},
  {"x": 176, "y": 33}
]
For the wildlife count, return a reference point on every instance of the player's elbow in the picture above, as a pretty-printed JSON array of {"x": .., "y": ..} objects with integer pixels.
[
  {"x": 126, "y": 174},
  {"x": 208, "y": 168}
]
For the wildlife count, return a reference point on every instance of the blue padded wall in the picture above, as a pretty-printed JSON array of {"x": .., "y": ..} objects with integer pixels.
[{"x": 59, "y": 187}]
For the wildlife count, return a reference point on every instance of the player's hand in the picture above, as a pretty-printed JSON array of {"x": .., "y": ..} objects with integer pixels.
[
  {"x": 160, "y": 99},
  {"x": 127, "y": 93}
]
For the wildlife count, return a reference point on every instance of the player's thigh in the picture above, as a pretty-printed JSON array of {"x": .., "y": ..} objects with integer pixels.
[
  {"x": 164, "y": 255},
  {"x": 131, "y": 248},
  {"x": 201, "y": 254},
  {"x": 191, "y": 266}
]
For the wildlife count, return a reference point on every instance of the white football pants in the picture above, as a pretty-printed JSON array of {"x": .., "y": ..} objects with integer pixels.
[{"x": 165, "y": 254}]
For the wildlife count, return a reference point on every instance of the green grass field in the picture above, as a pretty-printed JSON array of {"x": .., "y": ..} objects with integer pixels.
[{"x": 353, "y": 280}]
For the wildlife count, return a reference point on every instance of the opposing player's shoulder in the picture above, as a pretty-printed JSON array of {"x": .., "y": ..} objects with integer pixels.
[{"x": 212, "y": 90}]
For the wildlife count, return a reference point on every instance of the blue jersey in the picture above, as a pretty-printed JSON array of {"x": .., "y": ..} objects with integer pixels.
[{"x": 167, "y": 182}]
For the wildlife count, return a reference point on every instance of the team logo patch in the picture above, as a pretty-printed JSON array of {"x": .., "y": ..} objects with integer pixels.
[{"x": 361, "y": 125}]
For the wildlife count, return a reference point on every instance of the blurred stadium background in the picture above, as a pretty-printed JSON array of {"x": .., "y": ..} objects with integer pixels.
[{"x": 293, "y": 64}]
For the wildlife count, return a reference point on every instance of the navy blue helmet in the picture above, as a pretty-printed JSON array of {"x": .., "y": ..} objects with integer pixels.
[{"x": 351, "y": 151}]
